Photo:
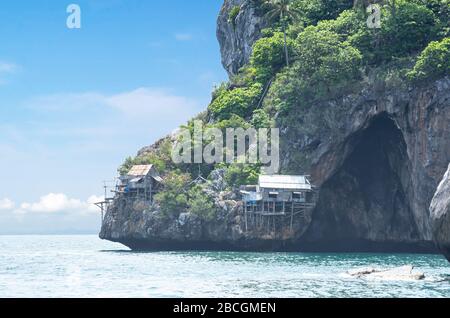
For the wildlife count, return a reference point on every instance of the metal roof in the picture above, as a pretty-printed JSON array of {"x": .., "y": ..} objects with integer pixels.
[
  {"x": 284, "y": 182},
  {"x": 158, "y": 179},
  {"x": 140, "y": 170}
]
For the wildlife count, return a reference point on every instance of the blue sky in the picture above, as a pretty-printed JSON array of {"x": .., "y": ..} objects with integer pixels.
[{"x": 75, "y": 102}]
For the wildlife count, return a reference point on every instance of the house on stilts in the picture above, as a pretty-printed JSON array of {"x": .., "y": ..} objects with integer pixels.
[
  {"x": 277, "y": 201},
  {"x": 142, "y": 182}
]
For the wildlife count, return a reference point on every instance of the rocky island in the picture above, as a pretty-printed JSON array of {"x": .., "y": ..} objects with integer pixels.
[
  {"x": 365, "y": 112},
  {"x": 440, "y": 216}
]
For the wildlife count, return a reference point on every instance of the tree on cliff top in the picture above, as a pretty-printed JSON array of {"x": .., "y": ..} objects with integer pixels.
[
  {"x": 433, "y": 62},
  {"x": 282, "y": 10}
]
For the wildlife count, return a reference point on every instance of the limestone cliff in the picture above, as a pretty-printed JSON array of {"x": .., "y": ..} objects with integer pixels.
[
  {"x": 237, "y": 33},
  {"x": 440, "y": 215},
  {"x": 377, "y": 155}
]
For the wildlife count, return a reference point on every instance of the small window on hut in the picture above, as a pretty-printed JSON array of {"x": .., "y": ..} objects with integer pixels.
[
  {"x": 273, "y": 195},
  {"x": 298, "y": 196}
]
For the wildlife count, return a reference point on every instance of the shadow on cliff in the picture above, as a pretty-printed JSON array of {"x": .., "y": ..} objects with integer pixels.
[{"x": 366, "y": 200}]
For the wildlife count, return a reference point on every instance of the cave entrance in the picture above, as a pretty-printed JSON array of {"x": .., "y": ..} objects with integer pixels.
[{"x": 367, "y": 199}]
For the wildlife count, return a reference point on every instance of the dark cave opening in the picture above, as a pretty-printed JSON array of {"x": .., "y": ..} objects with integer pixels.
[{"x": 368, "y": 197}]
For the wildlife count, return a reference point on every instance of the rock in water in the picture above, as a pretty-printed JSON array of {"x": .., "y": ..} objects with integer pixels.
[
  {"x": 399, "y": 273},
  {"x": 440, "y": 216}
]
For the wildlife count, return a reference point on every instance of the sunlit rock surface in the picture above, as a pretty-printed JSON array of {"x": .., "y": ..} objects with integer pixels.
[
  {"x": 376, "y": 154},
  {"x": 440, "y": 216}
]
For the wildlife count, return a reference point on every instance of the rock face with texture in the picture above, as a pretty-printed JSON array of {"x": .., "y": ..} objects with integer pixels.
[
  {"x": 236, "y": 34},
  {"x": 440, "y": 216},
  {"x": 140, "y": 227},
  {"x": 377, "y": 155}
]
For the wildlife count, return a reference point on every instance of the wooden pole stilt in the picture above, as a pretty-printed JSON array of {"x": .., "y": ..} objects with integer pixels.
[
  {"x": 274, "y": 226},
  {"x": 292, "y": 215},
  {"x": 246, "y": 222}
]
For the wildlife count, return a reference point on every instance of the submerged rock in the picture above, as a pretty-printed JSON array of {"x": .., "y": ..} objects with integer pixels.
[
  {"x": 399, "y": 273},
  {"x": 440, "y": 216}
]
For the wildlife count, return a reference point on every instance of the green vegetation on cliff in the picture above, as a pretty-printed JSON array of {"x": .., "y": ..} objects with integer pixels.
[
  {"x": 434, "y": 61},
  {"x": 330, "y": 51},
  {"x": 173, "y": 200},
  {"x": 234, "y": 12}
]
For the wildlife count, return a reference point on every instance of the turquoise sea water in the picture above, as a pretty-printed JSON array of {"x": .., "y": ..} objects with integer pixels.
[{"x": 85, "y": 266}]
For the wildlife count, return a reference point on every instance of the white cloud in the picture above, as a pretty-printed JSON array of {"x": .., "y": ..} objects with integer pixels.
[
  {"x": 67, "y": 101},
  {"x": 52, "y": 213},
  {"x": 150, "y": 101},
  {"x": 99, "y": 122},
  {"x": 94, "y": 199},
  {"x": 143, "y": 103},
  {"x": 183, "y": 37},
  {"x": 6, "y": 204},
  {"x": 60, "y": 203},
  {"x": 7, "y": 69},
  {"x": 89, "y": 132}
]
